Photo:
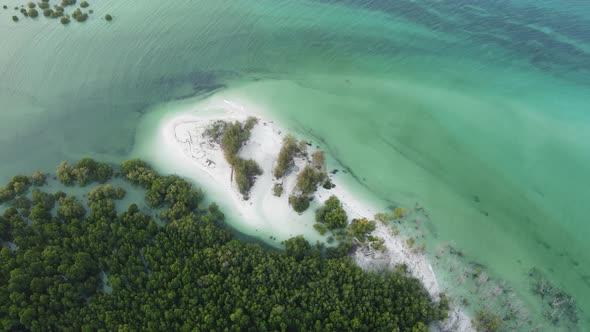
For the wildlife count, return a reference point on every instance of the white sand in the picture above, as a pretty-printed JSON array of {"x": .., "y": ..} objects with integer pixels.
[{"x": 271, "y": 215}]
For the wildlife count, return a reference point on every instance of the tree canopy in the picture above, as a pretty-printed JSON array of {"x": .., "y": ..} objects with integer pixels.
[
  {"x": 289, "y": 150},
  {"x": 72, "y": 264},
  {"x": 332, "y": 214},
  {"x": 232, "y": 137},
  {"x": 360, "y": 228}
]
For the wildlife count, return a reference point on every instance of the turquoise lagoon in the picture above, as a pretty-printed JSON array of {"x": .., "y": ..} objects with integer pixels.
[{"x": 475, "y": 110}]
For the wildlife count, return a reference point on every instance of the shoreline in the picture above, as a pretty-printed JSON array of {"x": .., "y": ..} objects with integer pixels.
[{"x": 273, "y": 215}]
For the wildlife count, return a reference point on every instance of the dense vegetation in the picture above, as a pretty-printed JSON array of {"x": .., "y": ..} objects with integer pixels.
[
  {"x": 57, "y": 10},
  {"x": 277, "y": 189},
  {"x": 231, "y": 137},
  {"x": 299, "y": 203},
  {"x": 332, "y": 215},
  {"x": 360, "y": 228},
  {"x": 68, "y": 267},
  {"x": 308, "y": 181},
  {"x": 20, "y": 184},
  {"x": 83, "y": 172},
  {"x": 289, "y": 150}
]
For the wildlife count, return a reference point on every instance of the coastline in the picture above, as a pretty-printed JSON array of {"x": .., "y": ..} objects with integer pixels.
[{"x": 181, "y": 135}]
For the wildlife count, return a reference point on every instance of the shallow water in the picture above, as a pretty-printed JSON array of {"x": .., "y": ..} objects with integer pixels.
[{"x": 475, "y": 110}]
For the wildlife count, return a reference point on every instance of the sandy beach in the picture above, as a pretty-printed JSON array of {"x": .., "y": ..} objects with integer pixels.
[{"x": 269, "y": 214}]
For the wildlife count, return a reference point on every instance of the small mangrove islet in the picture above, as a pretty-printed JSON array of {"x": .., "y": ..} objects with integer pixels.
[{"x": 57, "y": 10}]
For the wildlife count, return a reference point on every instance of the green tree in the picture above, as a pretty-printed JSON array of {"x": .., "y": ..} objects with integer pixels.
[
  {"x": 299, "y": 203},
  {"x": 309, "y": 179},
  {"x": 332, "y": 214},
  {"x": 298, "y": 247},
  {"x": 103, "y": 270},
  {"x": 360, "y": 228},
  {"x": 289, "y": 150}
]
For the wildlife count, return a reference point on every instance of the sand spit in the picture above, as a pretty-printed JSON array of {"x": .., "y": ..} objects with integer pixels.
[{"x": 184, "y": 135}]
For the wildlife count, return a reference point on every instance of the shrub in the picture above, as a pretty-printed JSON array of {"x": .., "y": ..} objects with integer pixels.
[
  {"x": 320, "y": 228},
  {"x": 246, "y": 172},
  {"x": 298, "y": 247},
  {"x": 43, "y": 5},
  {"x": 65, "y": 173},
  {"x": 6, "y": 195},
  {"x": 332, "y": 214},
  {"x": 328, "y": 185},
  {"x": 384, "y": 218},
  {"x": 108, "y": 17},
  {"x": 39, "y": 179},
  {"x": 33, "y": 13},
  {"x": 15, "y": 18},
  {"x": 233, "y": 137},
  {"x": 64, "y": 20},
  {"x": 359, "y": 228},
  {"x": 65, "y": 3},
  {"x": 79, "y": 16},
  {"x": 58, "y": 12},
  {"x": 277, "y": 189},
  {"x": 486, "y": 321},
  {"x": 106, "y": 191},
  {"x": 309, "y": 179},
  {"x": 70, "y": 209},
  {"x": 84, "y": 4},
  {"x": 132, "y": 165},
  {"x": 31, "y": 5},
  {"x": 398, "y": 213},
  {"x": 250, "y": 123},
  {"x": 18, "y": 185},
  {"x": 299, "y": 203},
  {"x": 232, "y": 140},
  {"x": 45, "y": 199},
  {"x": 47, "y": 12},
  {"x": 90, "y": 170},
  {"x": 138, "y": 172},
  {"x": 378, "y": 244},
  {"x": 289, "y": 150},
  {"x": 85, "y": 171},
  {"x": 215, "y": 130},
  {"x": 318, "y": 160}
]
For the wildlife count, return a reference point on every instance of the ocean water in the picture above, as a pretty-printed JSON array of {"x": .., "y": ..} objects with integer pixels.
[{"x": 475, "y": 110}]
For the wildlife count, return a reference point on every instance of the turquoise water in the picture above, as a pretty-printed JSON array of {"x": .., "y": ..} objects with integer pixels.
[{"x": 476, "y": 110}]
